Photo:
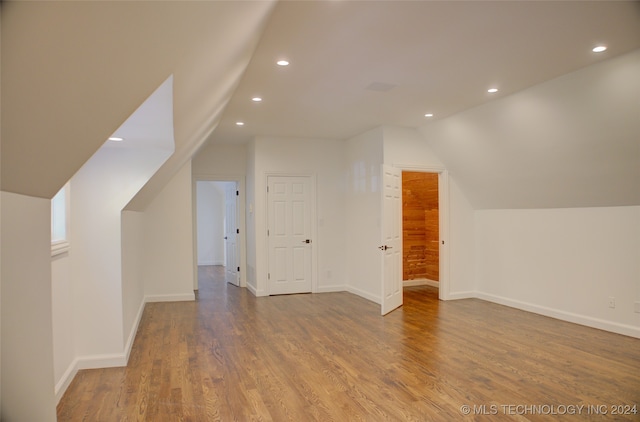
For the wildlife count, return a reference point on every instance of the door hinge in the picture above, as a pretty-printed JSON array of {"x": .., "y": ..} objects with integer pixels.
[
  {"x": 267, "y": 189},
  {"x": 268, "y": 276},
  {"x": 238, "y": 231},
  {"x": 238, "y": 269},
  {"x": 267, "y": 232},
  {"x": 237, "y": 193}
]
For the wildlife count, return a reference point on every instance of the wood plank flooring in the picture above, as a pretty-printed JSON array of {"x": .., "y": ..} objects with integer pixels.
[{"x": 230, "y": 356}]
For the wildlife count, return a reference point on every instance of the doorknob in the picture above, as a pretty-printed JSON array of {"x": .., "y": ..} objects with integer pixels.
[
  {"x": 385, "y": 247},
  {"x": 306, "y": 241}
]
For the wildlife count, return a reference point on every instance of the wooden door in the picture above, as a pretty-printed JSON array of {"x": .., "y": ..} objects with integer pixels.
[
  {"x": 289, "y": 234},
  {"x": 232, "y": 263},
  {"x": 391, "y": 247}
]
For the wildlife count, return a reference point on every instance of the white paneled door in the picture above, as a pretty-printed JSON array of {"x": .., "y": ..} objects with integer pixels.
[
  {"x": 289, "y": 234},
  {"x": 391, "y": 243},
  {"x": 231, "y": 232}
]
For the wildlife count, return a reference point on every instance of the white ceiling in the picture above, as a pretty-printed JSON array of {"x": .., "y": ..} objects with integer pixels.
[
  {"x": 74, "y": 71},
  {"x": 437, "y": 56},
  {"x": 151, "y": 125}
]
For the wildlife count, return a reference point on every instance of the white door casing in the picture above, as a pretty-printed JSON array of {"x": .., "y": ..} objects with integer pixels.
[
  {"x": 444, "y": 291},
  {"x": 289, "y": 234},
  {"x": 231, "y": 234},
  {"x": 391, "y": 239}
]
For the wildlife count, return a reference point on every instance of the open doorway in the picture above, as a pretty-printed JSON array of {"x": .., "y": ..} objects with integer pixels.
[
  {"x": 217, "y": 229},
  {"x": 393, "y": 229},
  {"x": 420, "y": 228}
]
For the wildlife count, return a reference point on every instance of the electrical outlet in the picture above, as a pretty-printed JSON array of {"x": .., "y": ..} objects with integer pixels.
[
  {"x": 612, "y": 302},
  {"x": 636, "y": 307}
]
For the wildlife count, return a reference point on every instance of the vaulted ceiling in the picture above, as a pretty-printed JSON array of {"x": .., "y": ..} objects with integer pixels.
[
  {"x": 72, "y": 72},
  {"x": 355, "y": 65}
]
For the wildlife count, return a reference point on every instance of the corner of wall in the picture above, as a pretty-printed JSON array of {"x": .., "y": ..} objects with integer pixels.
[
  {"x": 167, "y": 238},
  {"x": 27, "y": 338}
]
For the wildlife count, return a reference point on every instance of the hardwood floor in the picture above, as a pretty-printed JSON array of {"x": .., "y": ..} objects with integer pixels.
[{"x": 231, "y": 356}]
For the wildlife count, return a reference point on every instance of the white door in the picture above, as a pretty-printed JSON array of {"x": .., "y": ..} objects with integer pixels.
[
  {"x": 232, "y": 263},
  {"x": 289, "y": 234},
  {"x": 391, "y": 247}
]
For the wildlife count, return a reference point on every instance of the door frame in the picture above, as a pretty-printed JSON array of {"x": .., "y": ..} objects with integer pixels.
[
  {"x": 444, "y": 289},
  {"x": 240, "y": 220},
  {"x": 314, "y": 224}
]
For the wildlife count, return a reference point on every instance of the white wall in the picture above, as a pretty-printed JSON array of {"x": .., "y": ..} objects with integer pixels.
[
  {"x": 406, "y": 147},
  {"x": 168, "y": 241},
  {"x": 62, "y": 320},
  {"x": 564, "y": 263},
  {"x": 349, "y": 206},
  {"x": 364, "y": 155},
  {"x": 549, "y": 177},
  {"x": 96, "y": 288},
  {"x": 220, "y": 160},
  {"x": 461, "y": 245},
  {"x": 97, "y": 291},
  {"x": 250, "y": 218},
  {"x": 566, "y": 143},
  {"x": 132, "y": 279},
  {"x": 325, "y": 160},
  {"x": 27, "y": 340},
  {"x": 100, "y": 190},
  {"x": 210, "y": 214}
]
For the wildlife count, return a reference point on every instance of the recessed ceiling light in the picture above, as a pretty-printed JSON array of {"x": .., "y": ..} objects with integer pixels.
[
  {"x": 492, "y": 90},
  {"x": 116, "y": 139},
  {"x": 239, "y": 123},
  {"x": 282, "y": 63},
  {"x": 256, "y": 99},
  {"x": 599, "y": 48},
  {"x": 428, "y": 115}
]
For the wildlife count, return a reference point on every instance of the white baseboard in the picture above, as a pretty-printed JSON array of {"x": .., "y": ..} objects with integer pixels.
[
  {"x": 458, "y": 295},
  {"x": 331, "y": 289},
  {"x": 420, "y": 282},
  {"x": 183, "y": 297},
  {"x": 256, "y": 292},
  {"x": 134, "y": 330},
  {"x": 112, "y": 360},
  {"x": 614, "y": 327},
  {"x": 87, "y": 362},
  {"x": 98, "y": 361},
  {"x": 363, "y": 294},
  {"x": 252, "y": 289},
  {"x": 65, "y": 380}
]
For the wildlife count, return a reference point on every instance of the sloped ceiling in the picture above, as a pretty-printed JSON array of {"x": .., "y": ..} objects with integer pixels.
[
  {"x": 73, "y": 72},
  {"x": 573, "y": 141},
  {"x": 356, "y": 65}
]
